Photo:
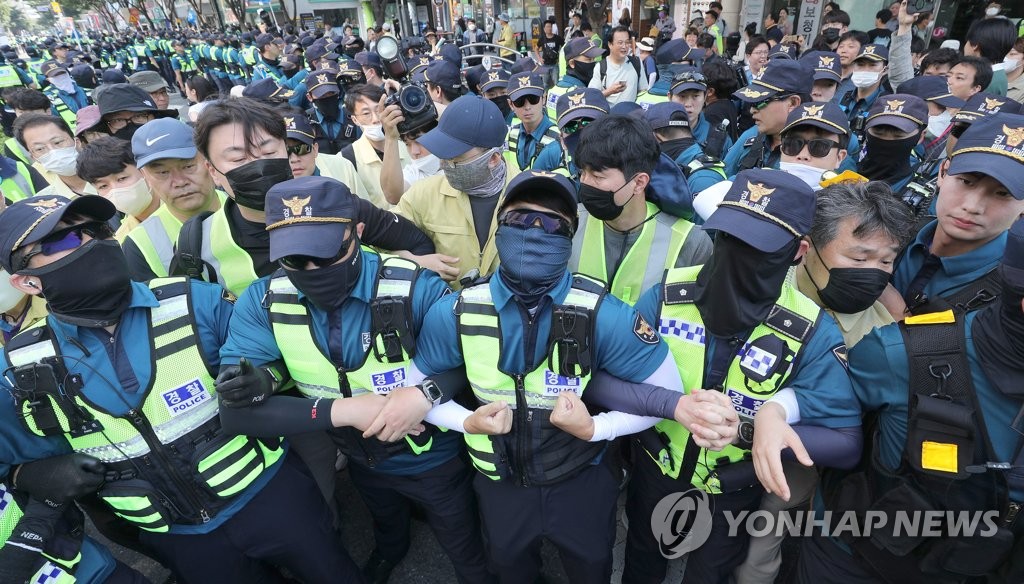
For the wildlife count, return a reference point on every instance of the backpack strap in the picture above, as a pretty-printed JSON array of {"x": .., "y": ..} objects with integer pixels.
[{"x": 188, "y": 257}]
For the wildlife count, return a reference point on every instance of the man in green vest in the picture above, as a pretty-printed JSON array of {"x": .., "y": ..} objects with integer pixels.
[
  {"x": 535, "y": 130},
  {"x": 624, "y": 239},
  {"x": 123, "y": 372},
  {"x": 183, "y": 65},
  {"x": 738, "y": 326}
]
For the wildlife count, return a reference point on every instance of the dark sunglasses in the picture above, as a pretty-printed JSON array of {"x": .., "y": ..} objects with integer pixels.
[
  {"x": 575, "y": 126},
  {"x": 66, "y": 239},
  {"x": 763, "y": 104},
  {"x": 299, "y": 262},
  {"x": 551, "y": 223},
  {"x": 958, "y": 129},
  {"x": 522, "y": 101},
  {"x": 818, "y": 147},
  {"x": 300, "y": 149}
]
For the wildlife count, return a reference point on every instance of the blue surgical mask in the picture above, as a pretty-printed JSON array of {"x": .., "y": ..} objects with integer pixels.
[{"x": 532, "y": 260}]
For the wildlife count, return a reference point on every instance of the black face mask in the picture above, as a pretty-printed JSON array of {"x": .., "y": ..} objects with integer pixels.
[
  {"x": 887, "y": 160},
  {"x": 850, "y": 290},
  {"x": 601, "y": 204},
  {"x": 830, "y": 35},
  {"x": 502, "y": 102},
  {"x": 585, "y": 71},
  {"x": 272, "y": 62},
  {"x": 676, "y": 147},
  {"x": 329, "y": 106},
  {"x": 89, "y": 287},
  {"x": 738, "y": 286},
  {"x": 328, "y": 288},
  {"x": 127, "y": 132},
  {"x": 251, "y": 181}
]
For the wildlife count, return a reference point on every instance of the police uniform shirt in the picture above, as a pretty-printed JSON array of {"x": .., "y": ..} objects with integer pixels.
[
  {"x": 880, "y": 370},
  {"x": 632, "y": 357},
  {"x": 700, "y": 179},
  {"x": 75, "y": 101},
  {"x": 820, "y": 379},
  {"x": 552, "y": 157},
  {"x": 529, "y": 143},
  {"x": 954, "y": 273},
  {"x": 347, "y": 334},
  {"x": 117, "y": 369},
  {"x": 740, "y": 148}
]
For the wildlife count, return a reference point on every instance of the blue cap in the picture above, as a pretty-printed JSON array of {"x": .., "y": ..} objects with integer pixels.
[
  {"x": 782, "y": 51},
  {"x": 321, "y": 82},
  {"x": 582, "y": 46},
  {"x": 494, "y": 79},
  {"x": 298, "y": 127},
  {"x": 992, "y": 146},
  {"x": 318, "y": 51},
  {"x": 765, "y": 208},
  {"x": 625, "y": 108},
  {"x": 369, "y": 59},
  {"x": 443, "y": 74},
  {"x": 309, "y": 216},
  {"x": 667, "y": 114},
  {"x": 547, "y": 185},
  {"x": 932, "y": 88},
  {"x": 984, "y": 104},
  {"x": 267, "y": 89},
  {"x": 673, "y": 51},
  {"x": 417, "y": 63},
  {"x": 525, "y": 83},
  {"x": 163, "y": 138},
  {"x": 873, "y": 52},
  {"x": 826, "y": 65},
  {"x": 580, "y": 102},
  {"x": 468, "y": 122},
  {"x": 902, "y": 110},
  {"x": 780, "y": 76},
  {"x": 451, "y": 53},
  {"x": 688, "y": 78},
  {"x": 29, "y": 220},
  {"x": 825, "y": 115},
  {"x": 524, "y": 65}
]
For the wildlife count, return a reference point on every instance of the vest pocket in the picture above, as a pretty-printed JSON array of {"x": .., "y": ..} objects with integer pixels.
[
  {"x": 488, "y": 456},
  {"x": 137, "y": 503},
  {"x": 229, "y": 464}
]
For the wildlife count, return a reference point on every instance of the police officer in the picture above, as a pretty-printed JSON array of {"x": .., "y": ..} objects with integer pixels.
[
  {"x": 127, "y": 370},
  {"x": 65, "y": 95},
  {"x": 828, "y": 73},
  {"x": 672, "y": 57},
  {"x": 340, "y": 287},
  {"x": 815, "y": 140},
  {"x": 183, "y": 64},
  {"x": 892, "y": 130},
  {"x": 870, "y": 82},
  {"x": 671, "y": 126},
  {"x": 534, "y": 131},
  {"x": 576, "y": 108},
  {"x": 579, "y": 57},
  {"x": 979, "y": 106},
  {"x": 960, "y": 456},
  {"x": 728, "y": 324},
  {"x": 336, "y": 130},
  {"x": 535, "y": 480}
]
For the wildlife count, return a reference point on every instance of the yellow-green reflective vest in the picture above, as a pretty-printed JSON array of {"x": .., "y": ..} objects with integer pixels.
[
  {"x": 155, "y": 238},
  {"x": 19, "y": 186},
  {"x": 234, "y": 267},
  {"x": 19, "y": 152},
  {"x": 178, "y": 466},
  {"x": 647, "y": 98},
  {"x": 69, "y": 117},
  {"x": 317, "y": 377},
  {"x": 512, "y": 152},
  {"x": 754, "y": 375},
  {"x": 535, "y": 451},
  {"x": 250, "y": 55},
  {"x": 52, "y": 570},
  {"x": 644, "y": 265},
  {"x": 9, "y": 76}
]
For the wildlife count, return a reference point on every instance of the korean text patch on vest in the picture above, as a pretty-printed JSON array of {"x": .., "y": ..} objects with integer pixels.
[
  {"x": 939, "y": 456},
  {"x": 385, "y": 381},
  {"x": 644, "y": 331},
  {"x": 183, "y": 399},
  {"x": 555, "y": 384}
]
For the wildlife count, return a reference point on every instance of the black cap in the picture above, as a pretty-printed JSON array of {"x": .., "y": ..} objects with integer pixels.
[
  {"x": 673, "y": 51},
  {"x": 547, "y": 185},
  {"x": 688, "y": 78},
  {"x": 780, "y": 76},
  {"x": 581, "y": 46},
  {"x": 299, "y": 128},
  {"x": 308, "y": 216},
  {"x": 826, "y": 65},
  {"x": 494, "y": 79},
  {"x": 268, "y": 90},
  {"x": 30, "y": 220},
  {"x": 667, "y": 114},
  {"x": 122, "y": 97},
  {"x": 580, "y": 102},
  {"x": 322, "y": 82},
  {"x": 525, "y": 83},
  {"x": 993, "y": 146},
  {"x": 264, "y": 40},
  {"x": 444, "y": 74},
  {"x": 873, "y": 52},
  {"x": 825, "y": 115},
  {"x": 932, "y": 88},
  {"x": 765, "y": 208}
]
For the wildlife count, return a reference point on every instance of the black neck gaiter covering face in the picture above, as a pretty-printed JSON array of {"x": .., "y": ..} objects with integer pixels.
[
  {"x": 738, "y": 286},
  {"x": 328, "y": 288},
  {"x": 676, "y": 147},
  {"x": 250, "y": 182},
  {"x": 887, "y": 160},
  {"x": 89, "y": 287},
  {"x": 998, "y": 334},
  {"x": 584, "y": 71}
]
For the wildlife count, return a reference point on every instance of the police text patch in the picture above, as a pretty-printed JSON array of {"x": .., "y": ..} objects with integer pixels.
[
  {"x": 385, "y": 381},
  {"x": 182, "y": 399}
]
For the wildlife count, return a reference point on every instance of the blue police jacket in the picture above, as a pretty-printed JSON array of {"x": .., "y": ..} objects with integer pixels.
[{"x": 955, "y": 272}]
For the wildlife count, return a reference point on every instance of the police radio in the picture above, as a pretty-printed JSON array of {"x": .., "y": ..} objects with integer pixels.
[{"x": 716, "y": 143}]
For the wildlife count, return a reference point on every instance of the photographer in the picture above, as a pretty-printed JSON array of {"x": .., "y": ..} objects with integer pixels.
[
  {"x": 364, "y": 103},
  {"x": 396, "y": 177}
]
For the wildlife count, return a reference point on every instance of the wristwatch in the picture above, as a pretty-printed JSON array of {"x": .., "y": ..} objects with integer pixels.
[{"x": 430, "y": 390}]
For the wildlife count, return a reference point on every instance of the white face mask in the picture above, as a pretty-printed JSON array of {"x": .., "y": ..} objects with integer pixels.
[
  {"x": 60, "y": 161},
  {"x": 472, "y": 27},
  {"x": 993, "y": 11},
  {"x": 374, "y": 132},
  {"x": 131, "y": 200},
  {"x": 63, "y": 82},
  {"x": 9, "y": 295},
  {"x": 426, "y": 166},
  {"x": 1011, "y": 64},
  {"x": 864, "y": 79},
  {"x": 805, "y": 172},
  {"x": 938, "y": 124}
]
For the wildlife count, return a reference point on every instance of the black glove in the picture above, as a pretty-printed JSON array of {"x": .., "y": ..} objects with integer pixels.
[
  {"x": 60, "y": 478},
  {"x": 243, "y": 385},
  {"x": 19, "y": 561}
]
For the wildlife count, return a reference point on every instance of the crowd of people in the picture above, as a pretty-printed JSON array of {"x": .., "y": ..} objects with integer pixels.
[{"x": 498, "y": 293}]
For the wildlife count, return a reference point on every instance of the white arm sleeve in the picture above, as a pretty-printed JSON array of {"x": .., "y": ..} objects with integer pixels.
[
  {"x": 786, "y": 398},
  {"x": 449, "y": 415},
  {"x": 611, "y": 425}
]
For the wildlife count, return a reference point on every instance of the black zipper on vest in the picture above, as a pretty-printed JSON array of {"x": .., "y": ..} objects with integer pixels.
[
  {"x": 156, "y": 448},
  {"x": 522, "y": 416}
]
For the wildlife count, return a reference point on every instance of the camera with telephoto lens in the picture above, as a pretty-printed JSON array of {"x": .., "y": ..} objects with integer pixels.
[{"x": 417, "y": 108}]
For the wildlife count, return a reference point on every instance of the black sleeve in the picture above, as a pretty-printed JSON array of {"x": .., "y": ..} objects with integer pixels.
[
  {"x": 390, "y": 231},
  {"x": 38, "y": 182},
  {"x": 641, "y": 399},
  {"x": 137, "y": 264},
  {"x": 279, "y": 415},
  {"x": 831, "y": 447},
  {"x": 451, "y": 382}
]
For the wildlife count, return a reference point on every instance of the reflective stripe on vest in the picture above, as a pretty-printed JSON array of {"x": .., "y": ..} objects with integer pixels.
[
  {"x": 19, "y": 151},
  {"x": 642, "y": 266},
  {"x": 178, "y": 413},
  {"x": 156, "y": 239},
  {"x": 9, "y": 77},
  {"x": 53, "y": 570},
  {"x": 19, "y": 186},
  {"x": 480, "y": 332},
  {"x": 682, "y": 327},
  {"x": 553, "y": 94},
  {"x": 233, "y": 265},
  {"x": 647, "y": 99},
  {"x": 512, "y": 152},
  {"x": 61, "y": 106}
]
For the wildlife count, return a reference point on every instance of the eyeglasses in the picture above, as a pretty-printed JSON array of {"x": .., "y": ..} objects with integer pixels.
[
  {"x": 759, "y": 54},
  {"x": 55, "y": 144},
  {"x": 818, "y": 147},
  {"x": 368, "y": 116},
  {"x": 299, "y": 262},
  {"x": 522, "y": 101},
  {"x": 66, "y": 239},
  {"x": 763, "y": 104},
  {"x": 575, "y": 126},
  {"x": 140, "y": 118},
  {"x": 551, "y": 223},
  {"x": 300, "y": 149}
]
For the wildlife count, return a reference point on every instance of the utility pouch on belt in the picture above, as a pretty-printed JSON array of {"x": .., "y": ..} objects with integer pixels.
[{"x": 940, "y": 437}]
